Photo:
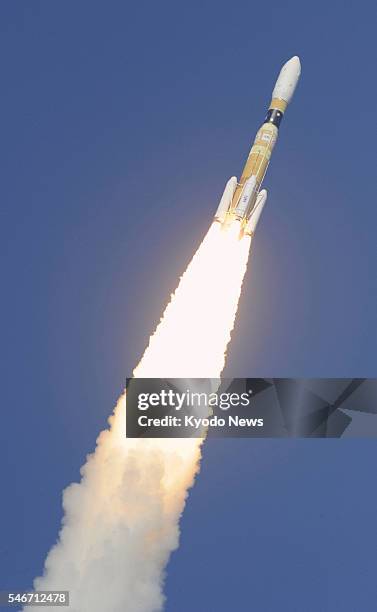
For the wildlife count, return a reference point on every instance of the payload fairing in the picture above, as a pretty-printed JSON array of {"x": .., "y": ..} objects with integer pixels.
[{"x": 246, "y": 201}]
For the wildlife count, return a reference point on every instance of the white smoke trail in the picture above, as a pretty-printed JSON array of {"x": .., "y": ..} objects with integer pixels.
[{"x": 121, "y": 521}]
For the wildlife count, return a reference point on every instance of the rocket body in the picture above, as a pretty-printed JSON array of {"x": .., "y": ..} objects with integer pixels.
[{"x": 246, "y": 200}]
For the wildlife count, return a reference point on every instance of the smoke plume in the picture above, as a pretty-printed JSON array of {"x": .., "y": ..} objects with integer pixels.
[{"x": 121, "y": 522}]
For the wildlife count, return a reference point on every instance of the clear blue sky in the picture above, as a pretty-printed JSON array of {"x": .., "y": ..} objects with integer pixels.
[{"x": 121, "y": 123}]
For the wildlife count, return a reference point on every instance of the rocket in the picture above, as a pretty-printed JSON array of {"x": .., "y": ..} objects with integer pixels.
[{"x": 242, "y": 200}]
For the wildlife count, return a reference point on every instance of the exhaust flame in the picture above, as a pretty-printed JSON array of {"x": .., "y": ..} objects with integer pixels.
[
  {"x": 120, "y": 522},
  {"x": 195, "y": 329}
]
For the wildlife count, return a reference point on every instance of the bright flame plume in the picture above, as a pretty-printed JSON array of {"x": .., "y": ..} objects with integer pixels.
[{"x": 121, "y": 522}]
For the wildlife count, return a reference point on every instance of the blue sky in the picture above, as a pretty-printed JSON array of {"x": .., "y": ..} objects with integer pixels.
[{"x": 121, "y": 123}]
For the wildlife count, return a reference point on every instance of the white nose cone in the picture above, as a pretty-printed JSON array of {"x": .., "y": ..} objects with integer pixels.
[{"x": 287, "y": 80}]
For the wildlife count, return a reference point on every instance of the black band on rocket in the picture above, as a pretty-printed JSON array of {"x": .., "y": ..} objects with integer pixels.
[{"x": 274, "y": 116}]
